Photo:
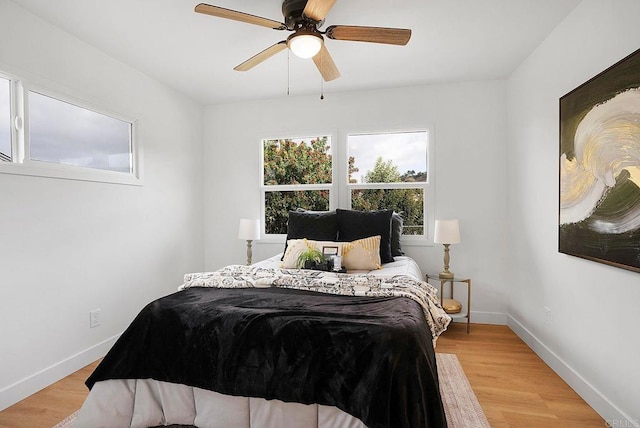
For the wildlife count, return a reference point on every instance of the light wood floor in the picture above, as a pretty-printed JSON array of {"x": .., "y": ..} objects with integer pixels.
[{"x": 514, "y": 386}]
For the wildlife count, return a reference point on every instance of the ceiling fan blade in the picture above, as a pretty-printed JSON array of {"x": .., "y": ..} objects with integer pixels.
[
  {"x": 318, "y": 9},
  {"x": 390, "y": 36},
  {"x": 325, "y": 65},
  {"x": 221, "y": 12},
  {"x": 262, "y": 56}
]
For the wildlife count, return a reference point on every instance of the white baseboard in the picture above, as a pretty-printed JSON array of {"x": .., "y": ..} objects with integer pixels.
[
  {"x": 37, "y": 381},
  {"x": 612, "y": 415},
  {"x": 488, "y": 318},
  {"x": 484, "y": 318}
]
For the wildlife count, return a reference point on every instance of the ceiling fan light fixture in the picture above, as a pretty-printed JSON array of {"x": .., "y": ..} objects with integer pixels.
[{"x": 305, "y": 45}]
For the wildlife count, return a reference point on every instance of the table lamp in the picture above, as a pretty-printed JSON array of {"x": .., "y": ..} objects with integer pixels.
[
  {"x": 446, "y": 232},
  {"x": 249, "y": 230}
]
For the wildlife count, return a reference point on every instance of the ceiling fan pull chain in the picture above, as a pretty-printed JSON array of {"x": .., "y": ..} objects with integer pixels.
[
  {"x": 321, "y": 82},
  {"x": 288, "y": 71}
]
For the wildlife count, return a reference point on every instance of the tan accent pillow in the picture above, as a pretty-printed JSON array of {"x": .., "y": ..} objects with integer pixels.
[
  {"x": 297, "y": 246},
  {"x": 362, "y": 254},
  {"x": 451, "y": 306}
]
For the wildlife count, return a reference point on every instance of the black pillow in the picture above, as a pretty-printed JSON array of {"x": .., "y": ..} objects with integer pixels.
[
  {"x": 354, "y": 225},
  {"x": 396, "y": 234},
  {"x": 315, "y": 225}
]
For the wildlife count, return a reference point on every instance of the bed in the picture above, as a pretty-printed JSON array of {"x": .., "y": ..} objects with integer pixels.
[{"x": 268, "y": 345}]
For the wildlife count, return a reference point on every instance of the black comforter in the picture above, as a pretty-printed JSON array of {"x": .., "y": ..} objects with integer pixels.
[{"x": 372, "y": 357}]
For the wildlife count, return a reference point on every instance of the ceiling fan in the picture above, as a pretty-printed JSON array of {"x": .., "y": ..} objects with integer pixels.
[{"x": 304, "y": 18}]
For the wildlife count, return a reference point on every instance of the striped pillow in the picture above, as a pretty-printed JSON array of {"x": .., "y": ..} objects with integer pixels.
[{"x": 362, "y": 254}]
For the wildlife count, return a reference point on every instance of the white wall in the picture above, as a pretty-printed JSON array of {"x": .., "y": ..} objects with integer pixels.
[
  {"x": 67, "y": 247},
  {"x": 469, "y": 122},
  {"x": 592, "y": 339}
]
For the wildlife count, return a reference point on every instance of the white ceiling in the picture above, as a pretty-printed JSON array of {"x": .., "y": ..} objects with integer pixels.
[{"x": 452, "y": 40}]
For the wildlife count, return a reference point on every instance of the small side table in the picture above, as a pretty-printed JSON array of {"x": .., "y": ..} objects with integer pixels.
[{"x": 451, "y": 281}]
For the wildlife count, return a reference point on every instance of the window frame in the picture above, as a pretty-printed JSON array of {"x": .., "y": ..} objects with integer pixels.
[
  {"x": 12, "y": 113},
  {"x": 264, "y": 188},
  {"x": 340, "y": 189},
  {"x": 426, "y": 186},
  {"x": 22, "y": 164}
]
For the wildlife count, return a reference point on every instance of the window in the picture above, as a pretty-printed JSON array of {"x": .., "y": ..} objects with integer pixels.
[
  {"x": 297, "y": 173},
  {"x": 5, "y": 119},
  {"x": 60, "y": 132},
  {"x": 384, "y": 171},
  {"x": 55, "y": 135},
  {"x": 390, "y": 171}
]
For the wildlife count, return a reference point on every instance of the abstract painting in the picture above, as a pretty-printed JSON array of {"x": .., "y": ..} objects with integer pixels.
[{"x": 599, "y": 215}]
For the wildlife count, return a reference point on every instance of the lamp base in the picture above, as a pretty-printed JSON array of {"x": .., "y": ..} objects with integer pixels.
[
  {"x": 445, "y": 275},
  {"x": 249, "y": 251}
]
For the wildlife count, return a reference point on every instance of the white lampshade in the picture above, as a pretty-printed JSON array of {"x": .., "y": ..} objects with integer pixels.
[
  {"x": 305, "y": 45},
  {"x": 446, "y": 232},
  {"x": 249, "y": 229}
]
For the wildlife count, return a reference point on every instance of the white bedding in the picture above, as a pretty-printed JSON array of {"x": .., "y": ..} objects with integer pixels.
[
  {"x": 147, "y": 403},
  {"x": 401, "y": 266}
]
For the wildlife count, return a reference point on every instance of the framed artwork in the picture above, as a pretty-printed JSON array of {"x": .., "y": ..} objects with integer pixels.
[{"x": 599, "y": 210}]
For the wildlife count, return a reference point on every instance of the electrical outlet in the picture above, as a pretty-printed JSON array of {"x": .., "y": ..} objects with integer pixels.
[
  {"x": 94, "y": 318},
  {"x": 547, "y": 315}
]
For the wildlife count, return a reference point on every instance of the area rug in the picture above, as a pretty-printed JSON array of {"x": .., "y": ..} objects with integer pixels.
[
  {"x": 68, "y": 421},
  {"x": 460, "y": 403}
]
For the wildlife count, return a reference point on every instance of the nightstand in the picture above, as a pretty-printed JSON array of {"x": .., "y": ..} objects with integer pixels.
[{"x": 451, "y": 281}]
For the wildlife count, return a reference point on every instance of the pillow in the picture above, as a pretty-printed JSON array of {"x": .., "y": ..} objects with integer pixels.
[
  {"x": 361, "y": 254},
  {"x": 297, "y": 246},
  {"x": 396, "y": 234},
  {"x": 316, "y": 225},
  {"x": 354, "y": 225}
]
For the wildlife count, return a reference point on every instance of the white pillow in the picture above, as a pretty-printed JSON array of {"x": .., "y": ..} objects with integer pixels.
[
  {"x": 361, "y": 254},
  {"x": 297, "y": 246}
]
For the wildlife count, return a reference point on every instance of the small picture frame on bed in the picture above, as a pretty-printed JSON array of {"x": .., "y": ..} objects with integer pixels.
[
  {"x": 332, "y": 255},
  {"x": 330, "y": 251}
]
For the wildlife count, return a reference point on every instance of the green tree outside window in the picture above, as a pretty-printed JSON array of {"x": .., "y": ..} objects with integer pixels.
[{"x": 303, "y": 163}]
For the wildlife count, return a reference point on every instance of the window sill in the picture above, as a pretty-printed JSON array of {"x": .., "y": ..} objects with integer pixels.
[
  {"x": 36, "y": 169},
  {"x": 409, "y": 241}
]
